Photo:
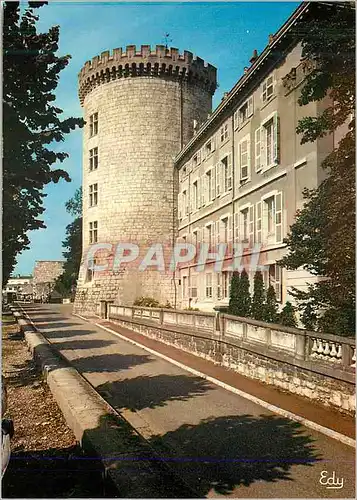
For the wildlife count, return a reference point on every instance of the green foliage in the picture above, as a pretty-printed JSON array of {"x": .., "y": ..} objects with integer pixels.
[
  {"x": 31, "y": 124},
  {"x": 258, "y": 301},
  {"x": 287, "y": 315},
  {"x": 147, "y": 302},
  {"x": 244, "y": 299},
  {"x": 234, "y": 294},
  {"x": 271, "y": 307},
  {"x": 322, "y": 239},
  {"x": 191, "y": 309},
  {"x": 309, "y": 317},
  {"x": 66, "y": 283},
  {"x": 329, "y": 44}
]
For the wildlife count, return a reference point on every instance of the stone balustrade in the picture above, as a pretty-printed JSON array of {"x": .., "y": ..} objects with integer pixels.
[{"x": 315, "y": 365}]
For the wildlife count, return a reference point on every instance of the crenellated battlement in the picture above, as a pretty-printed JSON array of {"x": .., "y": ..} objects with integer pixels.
[{"x": 160, "y": 62}]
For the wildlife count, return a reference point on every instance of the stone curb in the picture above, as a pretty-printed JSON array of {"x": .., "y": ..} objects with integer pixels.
[{"x": 128, "y": 461}]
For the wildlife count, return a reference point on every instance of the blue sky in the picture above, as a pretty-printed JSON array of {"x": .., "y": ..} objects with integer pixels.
[{"x": 223, "y": 34}]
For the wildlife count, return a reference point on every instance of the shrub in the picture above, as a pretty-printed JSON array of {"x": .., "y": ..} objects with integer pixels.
[
  {"x": 287, "y": 315},
  {"x": 271, "y": 308},
  {"x": 258, "y": 302},
  {"x": 245, "y": 301},
  {"x": 146, "y": 302},
  {"x": 234, "y": 294}
]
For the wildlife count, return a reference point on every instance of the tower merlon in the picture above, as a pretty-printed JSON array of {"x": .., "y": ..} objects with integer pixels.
[{"x": 161, "y": 61}]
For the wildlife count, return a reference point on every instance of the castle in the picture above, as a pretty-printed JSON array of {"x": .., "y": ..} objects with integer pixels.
[{"x": 160, "y": 167}]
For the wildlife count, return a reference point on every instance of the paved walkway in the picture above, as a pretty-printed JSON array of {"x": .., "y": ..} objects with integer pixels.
[{"x": 222, "y": 443}]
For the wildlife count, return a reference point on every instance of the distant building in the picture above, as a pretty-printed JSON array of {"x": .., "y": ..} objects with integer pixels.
[
  {"x": 44, "y": 277},
  {"x": 16, "y": 285}
]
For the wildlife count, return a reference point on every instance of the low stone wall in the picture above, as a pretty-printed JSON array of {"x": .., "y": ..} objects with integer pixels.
[{"x": 320, "y": 367}]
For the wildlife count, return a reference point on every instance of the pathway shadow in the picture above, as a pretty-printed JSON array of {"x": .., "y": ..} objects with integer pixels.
[
  {"x": 150, "y": 392},
  {"x": 82, "y": 344},
  {"x": 109, "y": 362},
  {"x": 48, "y": 320},
  {"x": 53, "y": 324},
  {"x": 64, "y": 334},
  {"x": 53, "y": 473},
  {"x": 223, "y": 453}
]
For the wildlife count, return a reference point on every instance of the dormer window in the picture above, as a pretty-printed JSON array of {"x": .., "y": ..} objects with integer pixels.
[
  {"x": 268, "y": 89},
  {"x": 243, "y": 113},
  {"x": 196, "y": 159}
]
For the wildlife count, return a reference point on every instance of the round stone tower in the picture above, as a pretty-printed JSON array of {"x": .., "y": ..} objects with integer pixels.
[{"x": 139, "y": 108}]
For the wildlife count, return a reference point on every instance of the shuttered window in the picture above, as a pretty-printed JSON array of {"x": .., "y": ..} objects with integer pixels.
[
  {"x": 257, "y": 148},
  {"x": 244, "y": 159},
  {"x": 269, "y": 143}
]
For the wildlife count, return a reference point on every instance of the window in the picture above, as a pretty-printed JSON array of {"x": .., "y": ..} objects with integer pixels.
[
  {"x": 224, "y": 132},
  {"x": 268, "y": 137},
  {"x": 272, "y": 218},
  {"x": 195, "y": 195},
  {"x": 245, "y": 111},
  {"x": 90, "y": 270},
  {"x": 257, "y": 145},
  {"x": 218, "y": 283},
  {"x": 93, "y": 232},
  {"x": 195, "y": 238},
  {"x": 244, "y": 224},
  {"x": 210, "y": 235},
  {"x": 226, "y": 166},
  {"x": 209, "y": 285},
  {"x": 244, "y": 159},
  {"x": 193, "y": 286},
  {"x": 184, "y": 287},
  {"x": 224, "y": 228},
  {"x": 275, "y": 280},
  {"x": 270, "y": 209},
  {"x": 196, "y": 159},
  {"x": 226, "y": 283},
  {"x": 93, "y": 159},
  {"x": 93, "y": 195},
  {"x": 185, "y": 202},
  {"x": 209, "y": 147},
  {"x": 269, "y": 131},
  {"x": 268, "y": 89},
  {"x": 93, "y": 124},
  {"x": 209, "y": 185}
]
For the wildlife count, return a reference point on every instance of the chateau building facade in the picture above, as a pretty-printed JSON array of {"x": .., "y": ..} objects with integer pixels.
[{"x": 157, "y": 170}]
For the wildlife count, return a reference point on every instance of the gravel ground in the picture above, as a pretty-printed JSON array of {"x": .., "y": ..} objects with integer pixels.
[{"x": 46, "y": 460}]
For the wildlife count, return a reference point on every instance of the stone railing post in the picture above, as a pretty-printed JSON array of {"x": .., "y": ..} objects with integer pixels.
[
  {"x": 161, "y": 317},
  {"x": 346, "y": 355},
  {"x": 103, "y": 311},
  {"x": 109, "y": 302},
  {"x": 222, "y": 325},
  {"x": 301, "y": 346}
]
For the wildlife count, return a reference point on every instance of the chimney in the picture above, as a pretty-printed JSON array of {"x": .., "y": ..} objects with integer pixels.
[
  {"x": 246, "y": 70},
  {"x": 271, "y": 38},
  {"x": 254, "y": 56}
]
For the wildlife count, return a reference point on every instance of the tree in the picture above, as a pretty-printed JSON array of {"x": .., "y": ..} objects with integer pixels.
[
  {"x": 308, "y": 317},
  {"x": 73, "y": 245},
  {"x": 287, "y": 315},
  {"x": 321, "y": 240},
  {"x": 234, "y": 294},
  {"x": 245, "y": 301},
  {"x": 258, "y": 301},
  {"x": 30, "y": 124},
  {"x": 271, "y": 308}
]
